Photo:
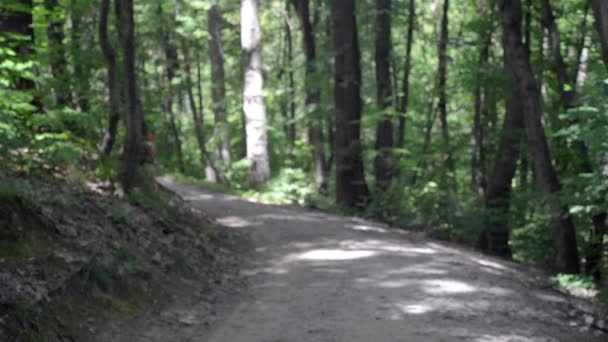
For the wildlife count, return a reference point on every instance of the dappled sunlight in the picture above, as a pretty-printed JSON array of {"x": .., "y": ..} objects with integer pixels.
[
  {"x": 394, "y": 284},
  {"x": 288, "y": 217},
  {"x": 509, "y": 338},
  {"x": 334, "y": 255},
  {"x": 444, "y": 306},
  {"x": 421, "y": 268},
  {"x": 488, "y": 263},
  {"x": 387, "y": 247},
  {"x": 366, "y": 228},
  {"x": 447, "y": 287},
  {"x": 414, "y": 309},
  {"x": 235, "y": 222},
  {"x": 276, "y": 270},
  {"x": 199, "y": 197}
]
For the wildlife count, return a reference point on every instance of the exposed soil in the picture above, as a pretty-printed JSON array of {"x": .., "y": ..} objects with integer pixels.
[{"x": 73, "y": 259}]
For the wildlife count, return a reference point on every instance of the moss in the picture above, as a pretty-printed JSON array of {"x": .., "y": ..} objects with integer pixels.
[
  {"x": 8, "y": 193},
  {"x": 15, "y": 249}
]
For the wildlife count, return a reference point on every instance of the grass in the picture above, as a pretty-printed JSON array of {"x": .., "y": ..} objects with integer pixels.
[{"x": 576, "y": 285}]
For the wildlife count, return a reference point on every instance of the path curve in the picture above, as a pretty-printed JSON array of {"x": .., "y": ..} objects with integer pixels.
[{"x": 323, "y": 278}]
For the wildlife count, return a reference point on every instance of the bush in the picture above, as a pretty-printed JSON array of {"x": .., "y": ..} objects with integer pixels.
[{"x": 290, "y": 186}]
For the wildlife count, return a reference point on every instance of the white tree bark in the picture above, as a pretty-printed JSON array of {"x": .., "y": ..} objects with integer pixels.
[{"x": 253, "y": 93}]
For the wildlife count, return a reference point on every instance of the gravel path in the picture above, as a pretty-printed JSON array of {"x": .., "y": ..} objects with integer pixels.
[{"x": 320, "y": 277}]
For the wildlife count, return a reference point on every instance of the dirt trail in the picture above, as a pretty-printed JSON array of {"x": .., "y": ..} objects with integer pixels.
[{"x": 319, "y": 277}]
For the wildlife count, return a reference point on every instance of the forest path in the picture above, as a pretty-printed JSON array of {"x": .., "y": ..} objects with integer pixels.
[{"x": 320, "y": 277}]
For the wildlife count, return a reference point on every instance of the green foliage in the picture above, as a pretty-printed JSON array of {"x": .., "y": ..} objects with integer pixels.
[
  {"x": 236, "y": 174},
  {"x": 533, "y": 242},
  {"x": 122, "y": 216},
  {"x": 126, "y": 261},
  {"x": 107, "y": 168},
  {"x": 148, "y": 199},
  {"x": 8, "y": 193},
  {"x": 573, "y": 282},
  {"x": 95, "y": 274},
  {"x": 290, "y": 186},
  {"x": 15, "y": 249}
]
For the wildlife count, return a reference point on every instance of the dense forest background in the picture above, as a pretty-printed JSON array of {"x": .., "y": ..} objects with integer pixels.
[{"x": 483, "y": 122}]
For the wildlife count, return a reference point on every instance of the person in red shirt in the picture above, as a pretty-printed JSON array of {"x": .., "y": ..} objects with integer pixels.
[{"x": 150, "y": 147}]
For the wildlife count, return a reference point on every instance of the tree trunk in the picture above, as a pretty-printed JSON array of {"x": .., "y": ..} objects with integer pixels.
[
  {"x": 19, "y": 20},
  {"x": 567, "y": 255},
  {"x": 218, "y": 85},
  {"x": 579, "y": 72},
  {"x": 351, "y": 189},
  {"x": 254, "y": 107},
  {"x": 442, "y": 104},
  {"x": 428, "y": 129},
  {"x": 211, "y": 173},
  {"x": 559, "y": 66},
  {"x": 109, "y": 54},
  {"x": 404, "y": 100},
  {"x": 291, "y": 94},
  {"x": 495, "y": 237},
  {"x": 313, "y": 95},
  {"x": 524, "y": 164},
  {"x": 134, "y": 147},
  {"x": 171, "y": 65},
  {"x": 81, "y": 38},
  {"x": 56, "y": 50},
  {"x": 478, "y": 162},
  {"x": 384, "y": 130},
  {"x": 600, "y": 13}
]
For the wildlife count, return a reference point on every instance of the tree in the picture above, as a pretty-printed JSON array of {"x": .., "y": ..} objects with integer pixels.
[
  {"x": 289, "y": 111},
  {"x": 405, "y": 87},
  {"x": 495, "y": 236},
  {"x": 56, "y": 50},
  {"x": 253, "y": 94},
  {"x": 171, "y": 65},
  {"x": 600, "y": 12},
  {"x": 313, "y": 95},
  {"x": 218, "y": 84},
  {"x": 112, "y": 79},
  {"x": 478, "y": 156},
  {"x": 351, "y": 188},
  {"x": 581, "y": 159},
  {"x": 442, "y": 104},
  {"x": 81, "y": 36},
  {"x": 134, "y": 147},
  {"x": 211, "y": 172},
  {"x": 384, "y": 129},
  {"x": 567, "y": 254}
]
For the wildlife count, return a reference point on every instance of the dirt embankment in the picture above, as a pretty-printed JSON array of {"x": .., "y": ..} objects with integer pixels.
[{"x": 71, "y": 258}]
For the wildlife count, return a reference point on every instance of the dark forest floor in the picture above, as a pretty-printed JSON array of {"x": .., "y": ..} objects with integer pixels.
[{"x": 75, "y": 260}]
